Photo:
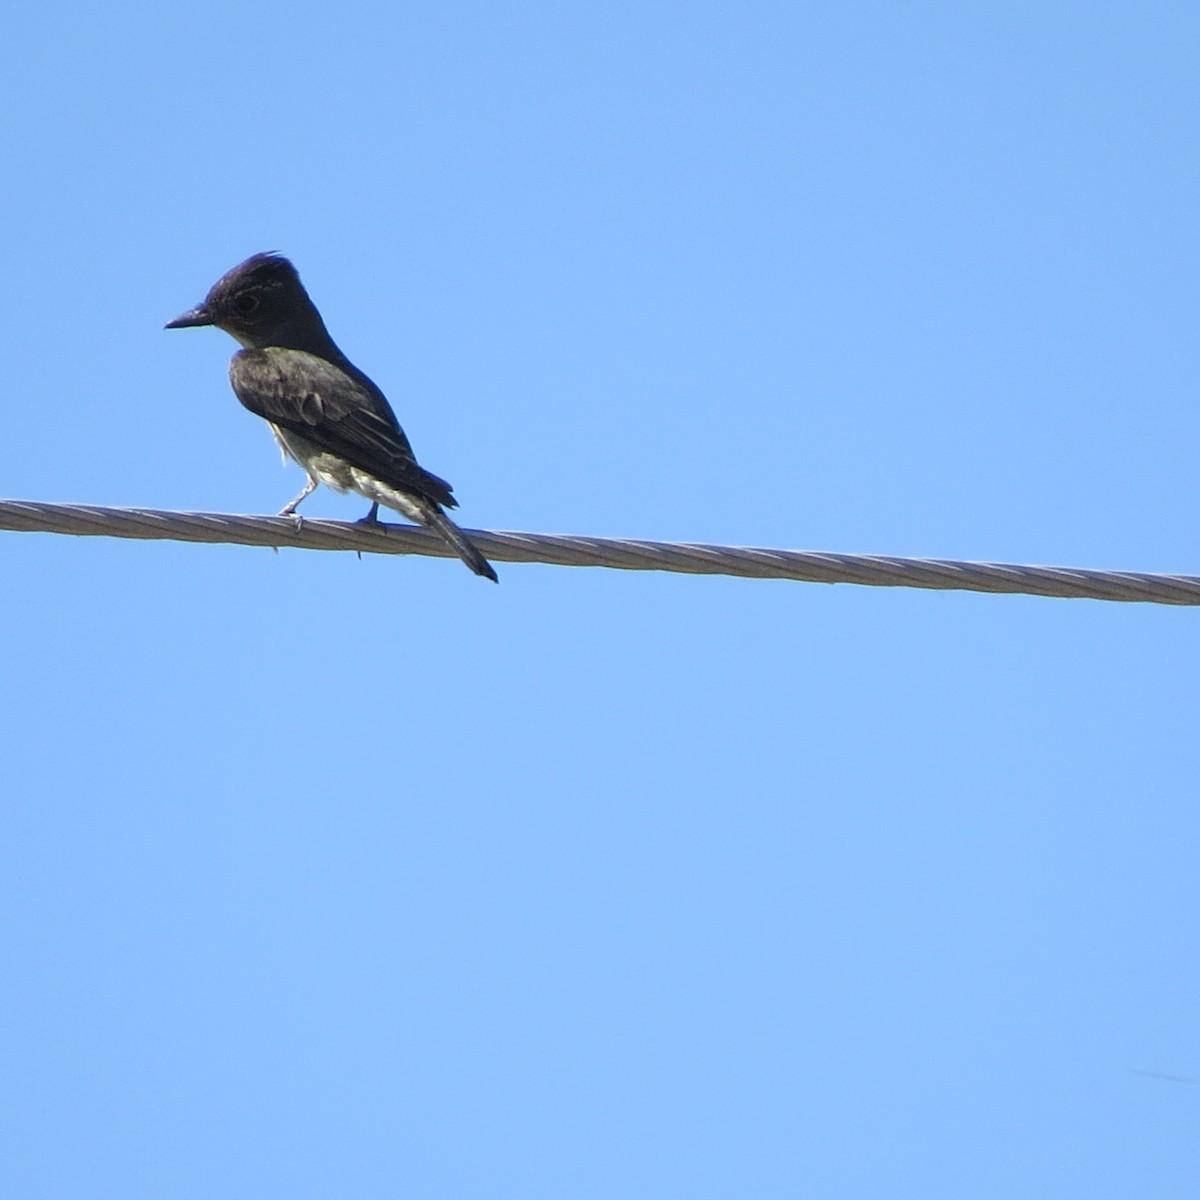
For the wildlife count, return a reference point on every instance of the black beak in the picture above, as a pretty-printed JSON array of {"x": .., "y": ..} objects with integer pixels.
[{"x": 193, "y": 316}]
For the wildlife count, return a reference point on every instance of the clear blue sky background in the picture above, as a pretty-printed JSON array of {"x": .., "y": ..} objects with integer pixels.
[{"x": 326, "y": 877}]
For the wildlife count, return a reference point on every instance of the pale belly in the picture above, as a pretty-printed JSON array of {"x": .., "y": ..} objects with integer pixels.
[{"x": 338, "y": 474}]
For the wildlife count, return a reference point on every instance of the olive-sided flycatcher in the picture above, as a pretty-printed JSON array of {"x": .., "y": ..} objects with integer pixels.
[{"x": 325, "y": 413}]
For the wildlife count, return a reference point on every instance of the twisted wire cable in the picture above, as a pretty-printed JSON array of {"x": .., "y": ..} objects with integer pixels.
[{"x": 872, "y": 570}]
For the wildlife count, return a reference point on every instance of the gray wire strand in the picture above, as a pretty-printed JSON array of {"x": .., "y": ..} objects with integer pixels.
[{"x": 89, "y": 520}]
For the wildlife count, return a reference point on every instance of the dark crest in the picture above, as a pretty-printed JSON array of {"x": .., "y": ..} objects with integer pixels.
[{"x": 266, "y": 272}]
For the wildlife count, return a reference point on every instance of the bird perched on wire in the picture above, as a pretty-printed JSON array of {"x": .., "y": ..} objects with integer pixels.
[{"x": 325, "y": 413}]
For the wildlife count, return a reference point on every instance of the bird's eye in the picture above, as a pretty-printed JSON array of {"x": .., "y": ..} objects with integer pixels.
[{"x": 247, "y": 302}]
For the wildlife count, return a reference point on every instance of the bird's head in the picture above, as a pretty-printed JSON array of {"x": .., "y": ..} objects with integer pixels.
[{"x": 261, "y": 302}]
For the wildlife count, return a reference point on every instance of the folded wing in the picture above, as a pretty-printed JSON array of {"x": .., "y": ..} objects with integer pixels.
[{"x": 316, "y": 399}]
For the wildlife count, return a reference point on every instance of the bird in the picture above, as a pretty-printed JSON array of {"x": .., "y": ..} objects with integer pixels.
[{"x": 324, "y": 412}]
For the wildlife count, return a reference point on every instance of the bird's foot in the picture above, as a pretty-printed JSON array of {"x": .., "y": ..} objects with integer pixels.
[
  {"x": 290, "y": 511},
  {"x": 372, "y": 518}
]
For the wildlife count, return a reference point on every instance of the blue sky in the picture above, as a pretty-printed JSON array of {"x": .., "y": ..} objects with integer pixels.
[{"x": 335, "y": 877}]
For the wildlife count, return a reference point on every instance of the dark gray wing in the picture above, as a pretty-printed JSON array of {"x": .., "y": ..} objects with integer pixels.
[{"x": 308, "y": 395}]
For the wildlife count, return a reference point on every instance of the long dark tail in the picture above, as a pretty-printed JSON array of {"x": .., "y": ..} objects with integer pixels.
[{"x": 462, "y": 546}]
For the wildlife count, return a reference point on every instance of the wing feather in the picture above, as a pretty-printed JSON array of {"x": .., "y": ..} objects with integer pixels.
[{"x": 338, "y": 412}]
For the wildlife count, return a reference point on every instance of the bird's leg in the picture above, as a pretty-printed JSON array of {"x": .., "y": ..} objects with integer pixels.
[
  {"x": 289, "y": 509},
  {"x": 372, "y": 518}
]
